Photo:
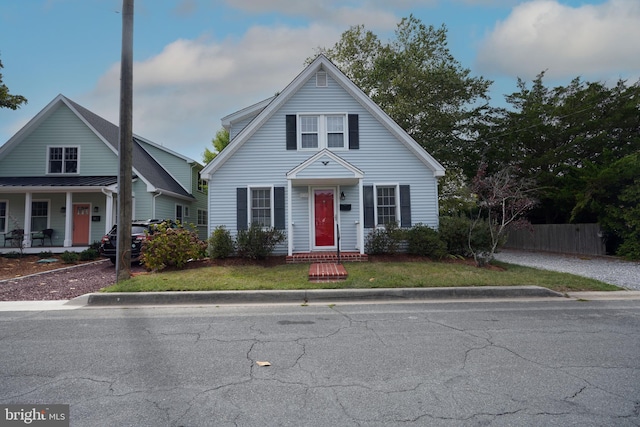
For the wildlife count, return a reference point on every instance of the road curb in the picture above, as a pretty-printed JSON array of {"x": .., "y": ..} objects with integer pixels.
[{"x": 313, "y": 295}]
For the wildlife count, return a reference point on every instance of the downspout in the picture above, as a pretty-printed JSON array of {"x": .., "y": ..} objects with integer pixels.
[{"x": 153, "y": 203}]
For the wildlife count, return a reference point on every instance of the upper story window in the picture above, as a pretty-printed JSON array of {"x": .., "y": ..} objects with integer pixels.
[
  {"x": 320, "y": 131},
  {"x": 202, "y": 185},
  {"x": 63, "y": 160}
]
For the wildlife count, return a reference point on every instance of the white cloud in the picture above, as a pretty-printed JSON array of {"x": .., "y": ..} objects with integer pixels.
[
  {"x": 181, "y": 94},
  {"x": 374, "y": 14},
  {"x": 593, "y": 41}
]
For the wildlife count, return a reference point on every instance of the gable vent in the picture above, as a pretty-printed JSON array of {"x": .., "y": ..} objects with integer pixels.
[{"x": 321, "y": 79}]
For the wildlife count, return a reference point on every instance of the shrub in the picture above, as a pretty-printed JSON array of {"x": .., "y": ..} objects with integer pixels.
[
  {"x": 169, "y": 246},
  {"x": 425, "y": 241},
  {"x": 385, "y": 240},
  {"x": 256, "y": 242},
  {"x": 89, "y": 254},
  {"x": 12, "y": 255},
  {"x": 454, "y": 232},
  {"x": 45, "y": 254},
  {"x": 221, "y": 244},
  {"x": 69, "y": 257}
]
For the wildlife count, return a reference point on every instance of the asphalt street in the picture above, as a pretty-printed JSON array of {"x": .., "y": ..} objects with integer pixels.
[{"x": 557, "y": 362}]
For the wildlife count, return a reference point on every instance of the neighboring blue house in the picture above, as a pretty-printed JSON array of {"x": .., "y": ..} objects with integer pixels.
[
  {"x": 60, "y": 172},
  {"x": 318, "y": 161}
]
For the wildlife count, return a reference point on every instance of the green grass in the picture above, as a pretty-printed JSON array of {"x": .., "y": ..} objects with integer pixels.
[{"x": 361, "y": 275}]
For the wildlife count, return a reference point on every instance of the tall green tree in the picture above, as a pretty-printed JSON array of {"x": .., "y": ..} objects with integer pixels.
[
  {"x": 6, "y": 99},
  {"x": 562, "y": 136},
  {"x": 415, "y": 79},
  {"x": 612, "y": 195},
  {"x": 219, "y": 143}
]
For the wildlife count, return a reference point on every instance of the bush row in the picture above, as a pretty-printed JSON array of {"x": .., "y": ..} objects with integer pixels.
[
  {"x": 451, "y": 238},
  {"x": 255, "y": 243}
]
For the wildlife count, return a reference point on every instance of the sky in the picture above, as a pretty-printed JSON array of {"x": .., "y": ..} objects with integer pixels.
[{"x": 196, "y": 61}]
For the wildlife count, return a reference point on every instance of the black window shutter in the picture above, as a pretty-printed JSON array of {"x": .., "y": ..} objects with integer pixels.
[
  {"x": 278, "y": 206},
  {"x": 367, "y": 192},
  {"x": 405, "y": 206},
  {"x": 292, "y": 135},
  {"x": 354, "y": 132},
  {"x": 241, "y": 205}
]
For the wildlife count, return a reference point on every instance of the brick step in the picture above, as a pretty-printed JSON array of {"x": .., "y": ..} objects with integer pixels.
[
  {"x": 326, "y": 272},
  {"x": 326, "y": 257}
]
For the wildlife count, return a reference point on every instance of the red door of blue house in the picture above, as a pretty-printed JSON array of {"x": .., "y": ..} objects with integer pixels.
[{"x": 324, "y": 208}]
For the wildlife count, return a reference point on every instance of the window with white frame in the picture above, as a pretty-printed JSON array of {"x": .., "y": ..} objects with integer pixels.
[
  {"x": 335, "y": 131},
  {"x": 202, "y": 217},
  {"x": 318, "y": 131},
  {"x": 63, "y": 160},
  {"x": 182, "y": 213},
  {"x": 202, "y": 185},
  {"x": 386, "y": 204},
  {"x": 39, "y": 215},
  {"x": 261, "y": 207},
  {"x": 3, "y": 215}
]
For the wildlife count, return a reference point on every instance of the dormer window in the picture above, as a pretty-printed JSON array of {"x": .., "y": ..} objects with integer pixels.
[
  {"x": 63, "y": 160},
  {"x": 321, "y": 79}
]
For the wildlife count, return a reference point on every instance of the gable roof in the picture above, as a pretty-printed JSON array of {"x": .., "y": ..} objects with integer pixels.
[
  {"x": 145, "y": 166},
  {"x": 321, "y": 62}
]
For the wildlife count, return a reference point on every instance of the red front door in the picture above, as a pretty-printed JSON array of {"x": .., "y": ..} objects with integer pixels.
[
  {"x": 81, "y": 217},
  {"x": 324, "y": 215}
]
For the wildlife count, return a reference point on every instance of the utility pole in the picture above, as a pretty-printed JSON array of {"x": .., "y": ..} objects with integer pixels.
[{"x": 125, "y": 148}]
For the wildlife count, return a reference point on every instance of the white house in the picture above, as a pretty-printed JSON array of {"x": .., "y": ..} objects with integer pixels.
[{"x": 322, "y": 162}]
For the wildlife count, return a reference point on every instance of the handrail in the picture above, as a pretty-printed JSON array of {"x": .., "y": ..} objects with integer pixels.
[{"x": 338, "y": 247}]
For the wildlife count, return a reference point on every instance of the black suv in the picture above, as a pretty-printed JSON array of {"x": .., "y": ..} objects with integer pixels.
[{"x": 139, "y": 232}]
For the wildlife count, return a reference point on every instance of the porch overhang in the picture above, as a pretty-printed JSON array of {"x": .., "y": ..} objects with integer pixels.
[
  {"x": 45, "y": 184},
  {"x": 325, "y": 168}
]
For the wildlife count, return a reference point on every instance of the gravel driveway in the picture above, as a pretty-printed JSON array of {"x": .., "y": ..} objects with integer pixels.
[{"x": 607, "y": 269}]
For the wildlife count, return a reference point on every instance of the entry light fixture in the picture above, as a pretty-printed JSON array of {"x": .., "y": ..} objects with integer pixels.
[{"x": 342, "y": 197}]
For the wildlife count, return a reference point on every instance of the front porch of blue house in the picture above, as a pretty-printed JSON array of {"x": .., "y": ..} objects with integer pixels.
[{"x": 35, "y": 250}]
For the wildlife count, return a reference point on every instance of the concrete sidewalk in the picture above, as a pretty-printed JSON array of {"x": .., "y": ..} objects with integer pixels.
[{"x": 315, "y": 296}]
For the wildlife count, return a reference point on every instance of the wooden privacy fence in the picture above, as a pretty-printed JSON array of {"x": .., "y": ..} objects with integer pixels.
[{"x": 585, "y": 239}]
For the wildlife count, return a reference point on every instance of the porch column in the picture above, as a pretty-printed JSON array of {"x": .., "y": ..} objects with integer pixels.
[
  {"x": 289, "y": 220},
  {"x": 26, "y": 240},
  {"x": 108, "y": 212},
  {"x": 68, "y": 221},
  {"x": 360, "y": 224}
]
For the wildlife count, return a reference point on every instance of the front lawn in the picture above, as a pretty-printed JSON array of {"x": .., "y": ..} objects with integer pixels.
[{"x": 361, "y": 275}]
